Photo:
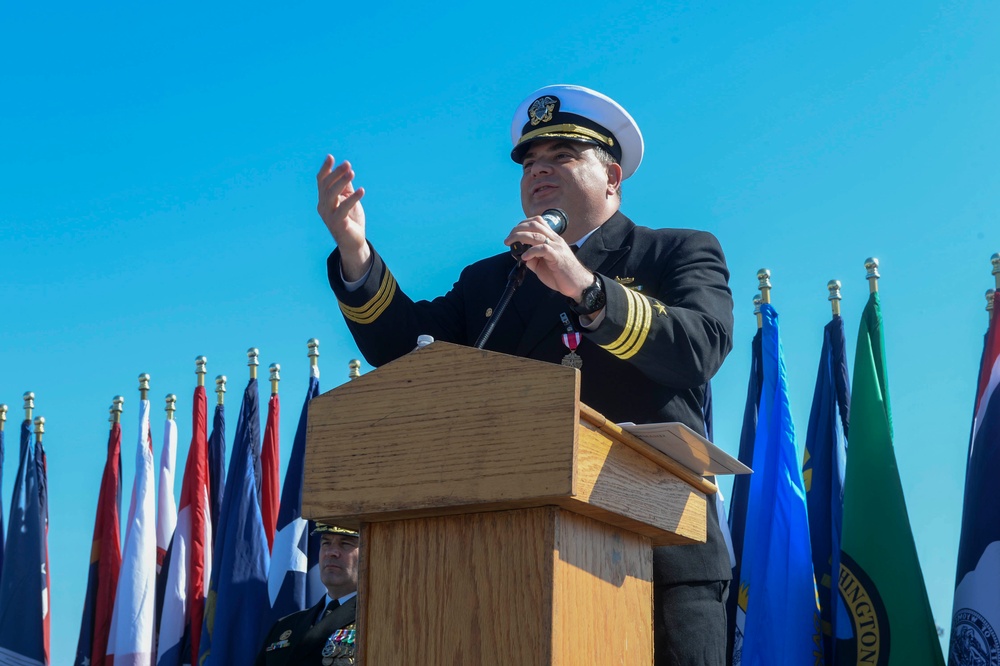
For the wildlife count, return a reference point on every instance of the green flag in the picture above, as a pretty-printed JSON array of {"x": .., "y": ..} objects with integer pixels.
[{"x": 880, "y": 579}]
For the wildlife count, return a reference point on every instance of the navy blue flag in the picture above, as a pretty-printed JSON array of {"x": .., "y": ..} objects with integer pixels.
[
  {"x": 217, "y": 465},
  {"x": 22, "y": 584},
  {"x": 976, "y": 609},
  {"x": 3, "y": 533},
  {"x": 781, "y": 621},
  {"x": 741, "y": 491},
  {"x": 236, "y": 614},
  {"x": 823, "y": 468},
  {"x": 293, "y": 582}
]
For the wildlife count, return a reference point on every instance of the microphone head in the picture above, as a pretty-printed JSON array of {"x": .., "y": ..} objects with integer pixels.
[{"x": 556, "y": 219}]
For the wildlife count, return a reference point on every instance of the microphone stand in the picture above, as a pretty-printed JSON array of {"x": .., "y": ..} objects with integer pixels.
[{"x": 514, "y": 281}]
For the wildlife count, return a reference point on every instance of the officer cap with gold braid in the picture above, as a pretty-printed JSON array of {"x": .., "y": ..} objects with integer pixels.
[
  {"x": 577, "y": 114},
  {"x": 334, "y": 529}
]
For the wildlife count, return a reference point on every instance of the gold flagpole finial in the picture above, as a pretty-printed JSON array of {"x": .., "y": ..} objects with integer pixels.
[
  {"x": 252, "y": 360},
  {"x": 833, "y": 286},
  {"x": 275, "y": 377},
  {"x": 354, "y": 369},
  {"x": 756, "y": 310},
  {"x": 171, "y": 406},
  {"x": 871, "y": 265},
  {"x": 989, "y": 302},
  {"x": 3, "y": 416},
  {"x": 143, "y": 386},
  {"x": 995, "y": 260},
  {"x": 764, "y": 284},
  {"x": 39, "y": 428},
  {"x": 29, "y": 404},
  {"x": 313, "y": 345},
  {"x": 117, "y": 406},
  {"x": 201, "y": 369},
  {"x": 220, "y": 388}
]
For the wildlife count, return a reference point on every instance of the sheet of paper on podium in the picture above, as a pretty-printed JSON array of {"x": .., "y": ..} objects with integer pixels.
[{"x": 688, "y": 448}]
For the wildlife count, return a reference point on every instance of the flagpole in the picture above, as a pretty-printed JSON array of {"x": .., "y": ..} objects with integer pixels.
[
  {"x": 200, "y": 369},
  {"x": 764, "y": 284},
  {"x": 756, "y": 311},
  {"x": 220, "y": 389},
  {"x": 252, "y": 361},
  {"x": 989, "y": 302},
  {"x": 39, "y": 428},
  {"x": 117, "y": 406},
  {"x": 171, "y": 406},
  {"x": 313, "y": 346},
  {"x": 3, "y": 416},
  {"x": 354, "y": 369},
  {"x": 144, "y": 386},
  {"x": 275, "y": 377},
  {"x": 29, "y": 405},
  {"x": 995, "y": 260},
  {"x": 833, "y": 286},
  {"x": 871, "y": 265}
]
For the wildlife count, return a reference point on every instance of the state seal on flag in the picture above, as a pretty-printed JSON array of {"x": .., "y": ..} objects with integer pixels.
[
  {"x": 869, "y": 621},
  {"x": 973, "y": 640}
]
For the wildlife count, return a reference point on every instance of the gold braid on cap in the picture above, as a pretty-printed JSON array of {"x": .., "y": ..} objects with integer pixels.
[{"x": 566, "y": 130}]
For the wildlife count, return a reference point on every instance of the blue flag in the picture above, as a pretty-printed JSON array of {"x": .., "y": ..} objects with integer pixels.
[
  {"x": 3, "y": 533},
  {"x": 736, "y": 602},
  {"x": 217, "y": 465},
  {"x": 976, "y": 610},
  {"x": 293, "y": 582},
  {"x": 22, "y": 584},
  {"x": 782, "y": 616},
  {"x": 823, "y": 469},
  {"x": 237, "y": 610}
]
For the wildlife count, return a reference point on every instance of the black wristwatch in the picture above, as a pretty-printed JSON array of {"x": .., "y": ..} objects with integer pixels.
[{"x": 592, "y": 299}]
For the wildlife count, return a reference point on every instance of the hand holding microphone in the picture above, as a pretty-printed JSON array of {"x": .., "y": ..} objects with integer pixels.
[{"x": 555, "y": 218}]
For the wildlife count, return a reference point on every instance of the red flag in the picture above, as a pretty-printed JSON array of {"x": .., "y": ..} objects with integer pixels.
[
  {"x": 270, "y": 490},
  {"x": 105, "y": 560},
  {"x": 190, "y": 565}
]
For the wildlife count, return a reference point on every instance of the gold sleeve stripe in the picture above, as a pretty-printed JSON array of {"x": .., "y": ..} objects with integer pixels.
[
  {"x": 370, "y": 311},
  {"x": 636, "y": 330}
]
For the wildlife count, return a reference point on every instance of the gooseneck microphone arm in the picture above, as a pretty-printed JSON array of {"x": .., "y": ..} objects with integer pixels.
[{"x": 556, "y": 219}]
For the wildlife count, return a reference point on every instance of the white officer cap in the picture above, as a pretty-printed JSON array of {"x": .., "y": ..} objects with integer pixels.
[{"x": 578, "y": 114}]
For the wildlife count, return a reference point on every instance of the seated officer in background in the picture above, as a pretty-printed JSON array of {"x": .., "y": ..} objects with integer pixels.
[{"x": 323, "y": 634}]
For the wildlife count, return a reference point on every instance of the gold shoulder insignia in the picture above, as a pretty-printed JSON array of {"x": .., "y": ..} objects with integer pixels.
[
  {"x": 624, "y": 280},
  {"x": 660, "y": 308}
]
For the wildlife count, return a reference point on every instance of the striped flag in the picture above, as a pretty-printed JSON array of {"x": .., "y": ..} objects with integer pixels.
[
  {"x": 217, "y": 465},
  {"x": 782, "y": 614},
  {"x": 105, "y": 560},
  {"x": 976, "y": 611},
  {"x": 237, "y": 608},
  {"x": 270, "y": 472},
  {"x": 22, "y": 584},
  {"x": 293, "y": 583},
  {"x": 190, "y": 565},
  {"x": 166, "y": 514},
  {"x": 131, "y": 638}
]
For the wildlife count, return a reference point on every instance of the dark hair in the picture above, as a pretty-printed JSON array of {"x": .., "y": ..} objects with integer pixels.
[{"x": 605, "y": 158}]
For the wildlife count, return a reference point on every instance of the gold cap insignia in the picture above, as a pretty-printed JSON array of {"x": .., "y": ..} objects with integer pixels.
[{"x": 541, "y": 110}]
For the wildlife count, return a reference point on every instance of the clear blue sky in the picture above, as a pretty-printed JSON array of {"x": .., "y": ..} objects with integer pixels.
[{"x": 158, "y": 197}]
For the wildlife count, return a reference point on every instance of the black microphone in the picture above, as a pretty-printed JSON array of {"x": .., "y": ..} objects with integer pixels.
[{"x": 557, "y": 221}]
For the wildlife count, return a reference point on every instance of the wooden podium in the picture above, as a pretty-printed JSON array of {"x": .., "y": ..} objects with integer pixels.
[{"x": 502, "y": 521}]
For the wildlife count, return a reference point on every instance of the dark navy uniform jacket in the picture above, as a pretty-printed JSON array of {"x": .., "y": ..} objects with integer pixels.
[
  {"x": 667, "y": 328},
  {"x": 299, "y": 639}
]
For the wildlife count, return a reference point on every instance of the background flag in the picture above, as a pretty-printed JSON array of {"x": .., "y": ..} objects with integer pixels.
[
  {"x": 131, "y": 638},
  {"x": 105, "y": 561},
  {"x": 217, "y": 464},
  {"x": 42, "y": 469},
  {"x": 270, "y": 471},
  {"x": 782, "y": 616},
  {"x": 237, "y": 608},
  {"x": 976, "y": 615},
  {"x": 3, "y": 533},
  {"x": 823, "y": 469},
  {"x": 190, "y": 563},
  {"x": 166, "y": 514},
  {"x": 880, "y": 578},
  {"x": 22, "y": 584},
  {"x": 736, "y": 612},
  {"x": 293, "y": 582}
]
